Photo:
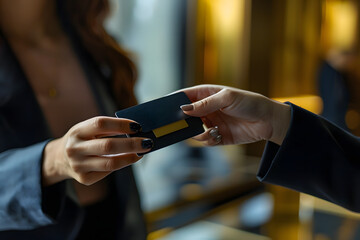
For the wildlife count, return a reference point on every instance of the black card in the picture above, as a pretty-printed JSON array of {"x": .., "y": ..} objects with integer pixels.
[{"x": 163, "y": 121}]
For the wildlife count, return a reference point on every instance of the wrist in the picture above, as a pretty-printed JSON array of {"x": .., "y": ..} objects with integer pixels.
[
  {"x": 51, "y": 170},
  {"x": 280, "y": 122}
]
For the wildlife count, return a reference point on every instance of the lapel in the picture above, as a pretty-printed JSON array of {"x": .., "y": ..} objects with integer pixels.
[{"x": 21, "y": 119}]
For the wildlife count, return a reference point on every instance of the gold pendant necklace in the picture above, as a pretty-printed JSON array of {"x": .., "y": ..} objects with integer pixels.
[{"x": 52, "y": 92}]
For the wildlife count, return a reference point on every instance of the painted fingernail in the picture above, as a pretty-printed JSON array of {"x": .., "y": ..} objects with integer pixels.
[
  {"x": 135, "y": 127},
  {"x": 218, "y": 138},
  {"x": 214, "y": 132},
  {"x": 147, "y": 143},
  {"x": 187, "y": 107}
]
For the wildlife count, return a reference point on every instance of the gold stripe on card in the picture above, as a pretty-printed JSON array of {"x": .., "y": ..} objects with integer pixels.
[{"x": 170, "y": 128}]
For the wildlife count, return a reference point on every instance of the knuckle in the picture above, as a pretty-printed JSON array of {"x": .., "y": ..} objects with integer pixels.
[
  {"x": 98, "y": 122},
  {"x": 107, "y": 145},
  {"x": 226, "y": 91},
  {"x": 122, "y": 125},
  {"x": 74, "y": 131},
  {"x": 229, "y": 97},
  {"x": 131, "y": 144},
  {"x": 229, "y": 94},
  {"x": 70, "y": 150},
  {"x": 109, "y": 165},
  {"x": 71, "y": 146},
  {"x": 204, "y": 103}
]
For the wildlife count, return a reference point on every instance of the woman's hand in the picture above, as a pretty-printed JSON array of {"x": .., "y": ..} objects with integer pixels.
[
  {"x": 86, "y": 155},
  {"x": 235, "y": 116}
]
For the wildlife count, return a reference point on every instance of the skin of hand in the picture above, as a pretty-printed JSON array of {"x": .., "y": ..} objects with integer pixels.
[
  {"x": 235, "y": 116},
  {"x": 88, "y": 153}
]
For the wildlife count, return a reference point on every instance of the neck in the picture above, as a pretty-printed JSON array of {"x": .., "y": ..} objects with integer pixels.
[{"x": 29, "y": 21}]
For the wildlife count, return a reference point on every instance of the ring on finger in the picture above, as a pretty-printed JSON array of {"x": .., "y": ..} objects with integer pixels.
[
  {"x": 214, "y": 132},
  {"x": 218, "y": 139}
]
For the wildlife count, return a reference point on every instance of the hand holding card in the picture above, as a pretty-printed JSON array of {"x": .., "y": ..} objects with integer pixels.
[{"x": 163, "y": 121}]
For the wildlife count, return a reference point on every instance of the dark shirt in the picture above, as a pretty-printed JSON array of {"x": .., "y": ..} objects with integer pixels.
[{"x": 29, "y": 211}]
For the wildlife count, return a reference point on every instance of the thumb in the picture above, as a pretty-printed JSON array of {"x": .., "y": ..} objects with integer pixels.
[{"x": 205, "y": 106}]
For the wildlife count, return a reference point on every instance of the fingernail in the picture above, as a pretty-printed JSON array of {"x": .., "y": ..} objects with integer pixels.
[
  {"x": 218, "y": 138},
  {"x": 214, "y": 132},
  {"x": 187, "y": 107},
  {"x": 147, "y": 143},
  {"x": 135, "y": 127}
]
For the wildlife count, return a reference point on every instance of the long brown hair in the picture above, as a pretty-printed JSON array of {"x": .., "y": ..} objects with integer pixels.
[{"x": 87, "y": 17}]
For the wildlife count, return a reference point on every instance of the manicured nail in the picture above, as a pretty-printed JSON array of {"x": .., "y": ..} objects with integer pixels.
[
  {"x": 214, "y": 132},
  {"x": 218, "y": 138},
  {"x": 147, "y": 143},
  {"x": 187, "y": 107},
  {"x": 135, "y": 127}
]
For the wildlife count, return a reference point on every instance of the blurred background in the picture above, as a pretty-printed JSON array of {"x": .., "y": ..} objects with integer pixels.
[{"x": 305, "y": 51}]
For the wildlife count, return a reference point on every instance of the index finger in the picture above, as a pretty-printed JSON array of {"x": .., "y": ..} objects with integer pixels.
[
  {"x": 106, "y": 126},
  {"x": 199, "y": 92},
  {"x": 207, "y": 105}
]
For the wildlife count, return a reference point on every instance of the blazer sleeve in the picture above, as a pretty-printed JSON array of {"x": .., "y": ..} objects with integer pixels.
[
  {"x": 317, "y": 158},
  {"x": 24, "y": 204}
]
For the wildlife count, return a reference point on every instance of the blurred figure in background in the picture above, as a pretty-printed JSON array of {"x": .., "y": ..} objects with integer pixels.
[
  {"x": 59, "y": 69},
  {"x": 334, "y": 85}
]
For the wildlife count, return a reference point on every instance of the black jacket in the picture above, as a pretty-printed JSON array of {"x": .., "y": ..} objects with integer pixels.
[
  {"x": 316, "y": 157},
  {"x": 28, "y": 211}
]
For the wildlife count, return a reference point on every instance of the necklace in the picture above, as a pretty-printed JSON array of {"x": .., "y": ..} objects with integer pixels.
[{"x": 52, "y": 92}]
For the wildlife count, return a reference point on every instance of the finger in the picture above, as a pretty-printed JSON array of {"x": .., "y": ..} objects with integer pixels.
[
  {"x": 212, "y": 141},
  {"x": 105, "y": 164},
  {"x": 201, "y": 91},
  {"x": 107, "y": 146},
  {"x": 207, "y": 105},
  {"x": 106, "y": 126},
  {"x": 207, "y": 121},
  {"x": 210, "y": 137},
  {"x": 208, "y": 134}
]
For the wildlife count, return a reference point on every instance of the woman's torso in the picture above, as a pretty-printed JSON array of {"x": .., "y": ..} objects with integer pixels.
[{"x": 62, "y": 91}]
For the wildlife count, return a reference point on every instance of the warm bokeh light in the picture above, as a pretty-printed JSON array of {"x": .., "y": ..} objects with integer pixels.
[
  {"x": 352, "y": 119},
  {"x": 225, "y": 51},
  {"x": 228, "y": 17},
  {"x": 340, "y": 24},
  {"x": 311, "y": 103}
]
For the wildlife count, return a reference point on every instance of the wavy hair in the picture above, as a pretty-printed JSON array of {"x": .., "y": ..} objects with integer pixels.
[{"x": 87, "y": 17}]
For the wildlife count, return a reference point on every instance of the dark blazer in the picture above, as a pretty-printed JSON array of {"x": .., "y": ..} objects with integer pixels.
[
  {"x": 317, "y": 158},
  {"x": 28, "y": 211}
]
